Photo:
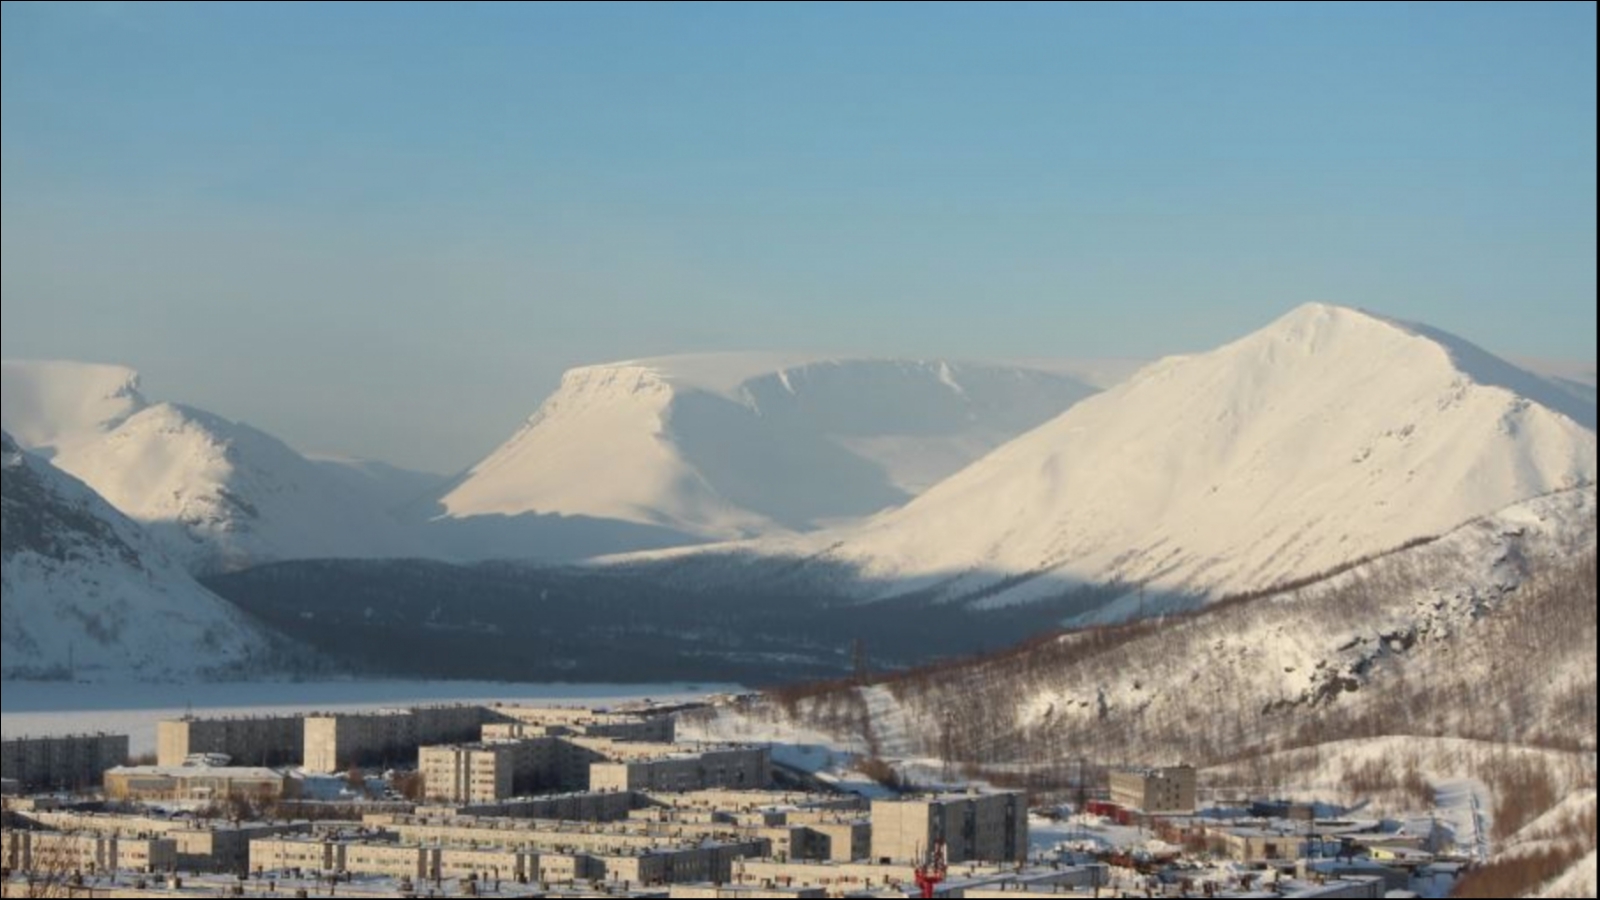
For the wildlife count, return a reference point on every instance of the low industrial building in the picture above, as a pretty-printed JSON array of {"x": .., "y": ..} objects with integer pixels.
[
  {"x": 198, "y": 783},
  {"x": 69, "y": 763},
  {"x": 1158, "y": 791},
  {"x": 973, "y": 827}
]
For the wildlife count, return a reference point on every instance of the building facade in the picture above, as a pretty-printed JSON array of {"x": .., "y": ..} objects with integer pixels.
[
  {"x": 975, "y": 828},
  {"x": 203, "y": 783},
  {"x": 335, "y": 743},
  {"x": 737, "y": 767},
  {"x": 1170, "y": 790},
  {"x": 245, "y": 740},
  {"x": 61, "y": 763}
]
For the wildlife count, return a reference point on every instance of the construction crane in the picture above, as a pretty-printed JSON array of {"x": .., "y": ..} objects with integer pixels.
[{"x": 932, "y": 872}]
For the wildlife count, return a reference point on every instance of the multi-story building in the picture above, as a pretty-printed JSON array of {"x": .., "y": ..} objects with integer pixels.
[
  {"x": 529, "y": 721},
  {"x": 974, "y": 828},
  {"x": 46, "y": 851},
  {"x": 584, "y": 806},
  {"x": 61, "y": 763},
  {"x": 733, "y": 767},
  {"x": 469, "y": 773},
  {"x": 201, "y": 846},
  {"x": 486, "y": 772},
  {"x": 245, "y": 740},
  {"x": 1170, "y": 790},
  {"x": 409, "y": 859},
  {"x": 334, "y": 743}
]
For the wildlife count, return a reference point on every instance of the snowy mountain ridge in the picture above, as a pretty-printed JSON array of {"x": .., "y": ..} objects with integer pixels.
[
  {"x": 733, "y": 445},
  {"x": 218, "y": 494},
  {"x": 1330, "y": 435},
  {"x": 87, "y": 594}
]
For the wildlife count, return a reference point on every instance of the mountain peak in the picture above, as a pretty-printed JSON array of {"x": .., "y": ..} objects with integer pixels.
[
  {"x": 1329, "y": 434},
  {"x": 48, "y": 403}
]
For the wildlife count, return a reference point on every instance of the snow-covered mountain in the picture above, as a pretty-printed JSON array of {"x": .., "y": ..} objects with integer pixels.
[
  {"x": 218, "y": 494},
  {"x": 734, "y": 445},
  {"x": 87, "y": 594},
  {"x": 1487, "y": 633},
  {"x": 390, "y": 488},
  {"x": 1327, "y": 436}
]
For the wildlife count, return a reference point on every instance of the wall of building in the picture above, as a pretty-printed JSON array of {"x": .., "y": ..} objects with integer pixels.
[
  {"x": 248, "y": 741},
  {"x": 1170, "y": 790},
  {"x": 61, "y": 763},
  {"x": 986, "y": 828},
  {"x": 336, "y": 743},
  {"x": 744, "y": 767},
  {"x": 223, "y": 847},
  {"x": 196, "y": 783},
  {"x": 579, "y": 807},
  {"x": 41, "y": 851},
  {"x": 294, "y": 853}
]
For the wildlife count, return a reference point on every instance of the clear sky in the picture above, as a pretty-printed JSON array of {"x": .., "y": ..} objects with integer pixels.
[{"x": 385, "y": 230}]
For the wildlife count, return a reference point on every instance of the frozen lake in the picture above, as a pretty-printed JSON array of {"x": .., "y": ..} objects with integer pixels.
[{"x": 50, "y": 708}]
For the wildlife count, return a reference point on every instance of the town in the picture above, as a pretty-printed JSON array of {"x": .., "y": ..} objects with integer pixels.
[{"x": 518, "y": 801}]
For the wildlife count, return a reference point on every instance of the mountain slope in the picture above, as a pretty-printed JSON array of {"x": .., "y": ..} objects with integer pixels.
[
  {"x": 1327, "y": 436},
  {"x": 87, "y": 594},
  {"x": 1486, "y": 633},
  {"x": 218, "y": 494},
  {"x": 733, "y": 445}
]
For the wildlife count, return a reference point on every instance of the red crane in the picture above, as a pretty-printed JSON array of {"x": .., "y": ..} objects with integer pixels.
[{"x": 933, "y": 870}]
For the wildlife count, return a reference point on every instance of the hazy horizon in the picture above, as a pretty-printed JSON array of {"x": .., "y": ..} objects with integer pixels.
[{"x": 384, "y": 231}]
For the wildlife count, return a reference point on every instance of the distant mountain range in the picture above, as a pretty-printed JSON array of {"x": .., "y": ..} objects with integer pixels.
[
  {"x": 1330, "y": 435},
  {"x": 1327, "y": 437},
  {"x": 634, "y": 455},
  {"x": 737, "y": 445}
]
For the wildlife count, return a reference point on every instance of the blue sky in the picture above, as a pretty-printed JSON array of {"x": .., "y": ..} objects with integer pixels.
[{"x": 385, "y": 230}]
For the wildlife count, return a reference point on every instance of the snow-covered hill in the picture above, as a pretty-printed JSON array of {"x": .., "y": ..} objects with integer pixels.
[
  {"x": 1487, "y": 632},
  {"x": 1327, "y": 436},
  {"x": 88, "y": 595},
  {"x": 734, "y": 445},
  {"x": 218, "y": 494}
]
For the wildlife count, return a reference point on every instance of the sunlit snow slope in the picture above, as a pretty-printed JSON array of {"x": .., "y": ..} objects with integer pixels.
[
  {"x": 1328, "y": 435},
  {"x": 218, "y": 494},
  {"x": 734, "y": 445},
  {"x": 87, "y": 594}
]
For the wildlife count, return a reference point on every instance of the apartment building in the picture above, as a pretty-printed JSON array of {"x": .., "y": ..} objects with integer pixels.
[
  {"x": 61, "y": 763},
  {"x": 1170, "y": 790},
  {"x": 974, "y": 827}
]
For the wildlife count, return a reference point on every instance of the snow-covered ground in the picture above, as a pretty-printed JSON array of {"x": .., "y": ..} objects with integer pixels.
[{"x": 51, "y": 708}]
